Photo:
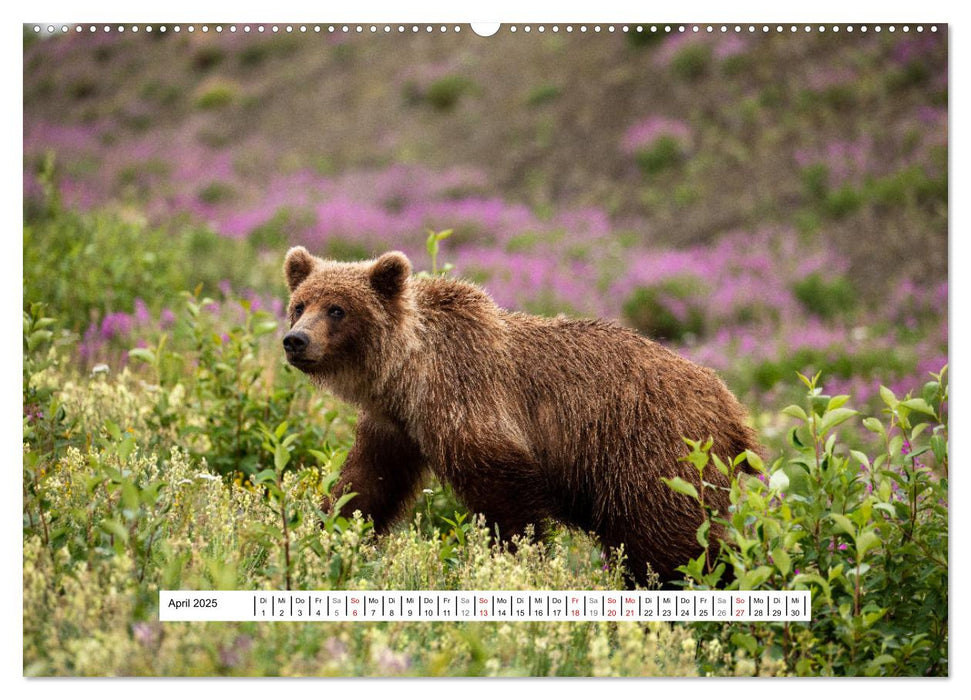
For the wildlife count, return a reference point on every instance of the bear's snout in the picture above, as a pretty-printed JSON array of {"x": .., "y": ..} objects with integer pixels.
[{"x": 296, "y": 342}]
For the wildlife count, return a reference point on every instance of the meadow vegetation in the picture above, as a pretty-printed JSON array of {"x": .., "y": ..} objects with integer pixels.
[{"x": 772, "y": 207}]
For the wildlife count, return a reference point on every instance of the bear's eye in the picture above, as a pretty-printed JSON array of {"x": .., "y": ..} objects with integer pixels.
[
  {"x": 335, "y": 312},
  {"x": 298, "y": 310}
]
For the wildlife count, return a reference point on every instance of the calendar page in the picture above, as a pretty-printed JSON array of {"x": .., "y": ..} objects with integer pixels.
[{"x": 517, "y": 349}]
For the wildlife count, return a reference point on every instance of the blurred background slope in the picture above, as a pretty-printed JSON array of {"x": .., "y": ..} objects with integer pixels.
[{"x": 766, "y": 203}]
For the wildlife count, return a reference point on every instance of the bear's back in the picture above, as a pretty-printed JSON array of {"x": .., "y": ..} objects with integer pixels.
[{"x": 572, "y": 384}]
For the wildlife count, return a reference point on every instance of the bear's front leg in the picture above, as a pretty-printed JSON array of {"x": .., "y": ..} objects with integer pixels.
[{"x": 383, "y": 469}]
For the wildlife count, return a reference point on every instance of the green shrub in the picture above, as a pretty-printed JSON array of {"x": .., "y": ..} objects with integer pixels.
[
  {"x": 253, "y": 54},
  {"x": 444, "y": 93},
  {"x": 838, "y": 362},
  {"x": 543, "y": 94},
  {"x": 242, "y": 392},
  {"x": 912, "y": 184},
  {"x": 866, "y": 533},
  {"x": 692, "y": 62},
  {"x": 216, "y": 97},
  {"x": 827, "y": 298},
  {"x": 914, "y": 73},
  {"x": 815, "y": 181},
  {"x": 663, "y": 153},
  {"x": 641, "y": 36},
  {"x": 649, "y": 310},
  {"x": 341, "y": 249},
  {"x": 216, "y": 192},
  {"x": 86, "y": 265},
  {"x": 843, "y": 201}
]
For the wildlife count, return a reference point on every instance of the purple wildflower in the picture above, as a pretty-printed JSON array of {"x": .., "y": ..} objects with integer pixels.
[
  {"x": 142, "y": 316},
  {"x": 116, "y": 325},
  {"x": 167, "y": 318}
]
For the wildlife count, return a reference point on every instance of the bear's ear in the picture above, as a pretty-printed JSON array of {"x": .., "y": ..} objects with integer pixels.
[
  {"x": 298, "y": 266},
  {"x": 390, "y": 273}
]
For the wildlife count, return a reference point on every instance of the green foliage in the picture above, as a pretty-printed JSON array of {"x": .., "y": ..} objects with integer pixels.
[
  {"x": 233, "y": 386},
  {"x": 912, "y": 74},
  {"x": 838, "y": 362},
  {"x": 910, "y": 186},
  {"x": 216, "y": 192},
  {"x": 432, "y": 243},
  {"x": 827, "y": 298},
  {"x": 351, "y": 251},
  {"x": 641, "y": 36},
  {"x": 649, "y": 310},
  {"x": 842, "y": 202},
  {"x": 284, "y": 226},
  {"x": 441, "y": 94},
  {"x": 203, "y": 463},
  {"x": 217, "y": 96},
  {"x": 815, "y": 180},
  {"x": 86, "y": 265},
  {"x": 866, "y": 533},
  {"x": 692, "y": 62},
  {"x": 543, "y": 94},
  {"x": 45, "y": 420},
  {"x": 663, "y": 153},
  {"x": 207, "y": 57}
]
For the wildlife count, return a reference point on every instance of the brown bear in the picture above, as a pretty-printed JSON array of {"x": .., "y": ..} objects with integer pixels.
[{"x": 529, "y": 419}]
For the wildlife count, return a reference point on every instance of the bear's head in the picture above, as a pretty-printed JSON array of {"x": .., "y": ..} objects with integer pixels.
[{"x": 348, "y": 321}]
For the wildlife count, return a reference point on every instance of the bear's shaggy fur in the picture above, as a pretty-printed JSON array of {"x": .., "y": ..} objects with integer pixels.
[{"x": 529, "y": 419}]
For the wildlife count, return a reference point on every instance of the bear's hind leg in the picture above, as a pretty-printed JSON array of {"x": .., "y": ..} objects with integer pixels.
[{"x": 506, "y": 492}]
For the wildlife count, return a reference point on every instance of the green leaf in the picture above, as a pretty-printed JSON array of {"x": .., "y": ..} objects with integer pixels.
[
  {"x": 751, "y": 579},
  {"x": 746, "y": 642},
  {"x": 38, "y": 337},
  {"x": 143, "y": 354},
  {"x": 861, "y": 458},
  {"x": 917, "y": 430},
  {"x": 875, "y": 666},
  {"x": 264, "y": 327},
  {"x": 782, "y": 560},
  {"x": 837, "y": 401},
  {"x": 113, "y": 527},
  {"x": 263, "y": 476},
  {"x": 865, "y": 542},
  {"x": 833, "y": 418},
  {"x": 896, "y": 443},
  {"x": 888, "y": 397},
  {"x": 919, "y": 405},
  {"x": 873, "y": 425},
  {"x": 342, "y": 501},
  {"x": 125, "y": 448},
  {"x": 129, "y": 495},
  {"x": 681, "y": 486},
  {"x": 753, "y": 459},
  {"x": 803, "y": 579},
  {"x": 702, "y": 534},
  {"x": 939, "y": 446},
  {"x": 281, "y": 457},
  {"x": 844, "y": 523}
]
